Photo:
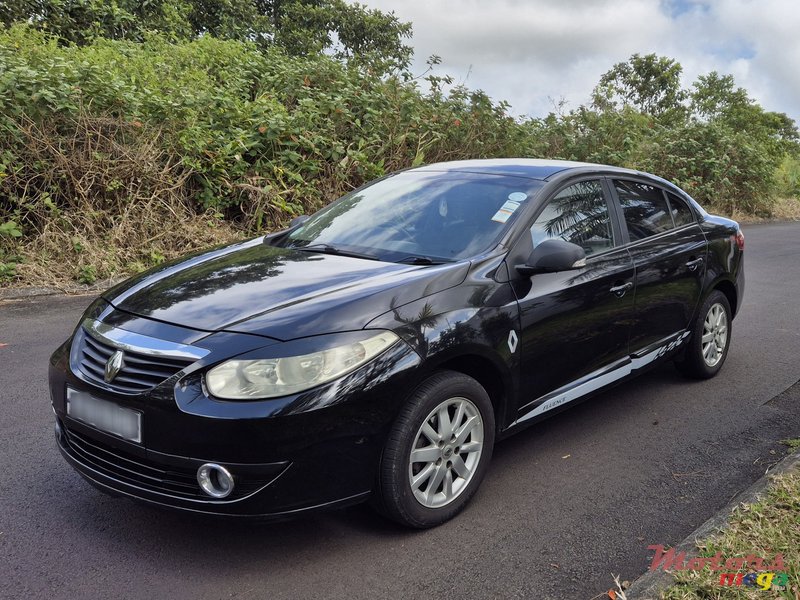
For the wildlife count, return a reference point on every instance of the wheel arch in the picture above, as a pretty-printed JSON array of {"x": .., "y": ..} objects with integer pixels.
[
  {"x": 729, "y": 290},
  {"x": 489, "y": 375}
]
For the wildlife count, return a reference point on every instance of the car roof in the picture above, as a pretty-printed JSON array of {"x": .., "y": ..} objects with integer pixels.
[{"x": 532, "y": 168}]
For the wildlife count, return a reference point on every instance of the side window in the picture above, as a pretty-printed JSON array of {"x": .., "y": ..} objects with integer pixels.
[
  {"x": 645, "y": 209},
  {"x": 681, "y": 213},
  {"x": 578, "y": 214}
]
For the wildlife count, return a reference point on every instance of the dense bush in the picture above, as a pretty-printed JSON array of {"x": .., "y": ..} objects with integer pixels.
[
  {"x": 712, "y": 140},
  {"x": 117, "y": 154},
  {"x": 248, "y": 127},
  {"x": 254, "y": 136}
]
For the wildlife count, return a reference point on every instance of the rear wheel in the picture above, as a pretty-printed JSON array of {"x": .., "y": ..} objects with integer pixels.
[
  {"x": 437, "y": 452},
  {"x": 710, "y": 340}
]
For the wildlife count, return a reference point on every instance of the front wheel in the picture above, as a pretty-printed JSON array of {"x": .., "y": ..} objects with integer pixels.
[
  {"x": 437, "y": 452},
  {"x": 711, "y": 336}
]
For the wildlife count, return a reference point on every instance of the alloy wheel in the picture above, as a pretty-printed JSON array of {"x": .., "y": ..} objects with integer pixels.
[
  {"x": 715, "y": 334},
  {"x": 446, "y": 452}
]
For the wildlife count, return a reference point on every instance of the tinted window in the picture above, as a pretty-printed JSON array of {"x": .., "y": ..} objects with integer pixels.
[
  {"x": 435, "y": 215},
  {"x": 681, "y": 213},
  {"x": 577, "y": 214},
  {"x": 645, "y": 209}
]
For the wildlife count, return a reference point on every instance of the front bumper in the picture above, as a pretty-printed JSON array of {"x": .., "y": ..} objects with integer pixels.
[{"x": 320, "y": 449}]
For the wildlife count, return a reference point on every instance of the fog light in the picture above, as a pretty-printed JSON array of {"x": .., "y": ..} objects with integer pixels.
[{"x": 215, "y": 480}]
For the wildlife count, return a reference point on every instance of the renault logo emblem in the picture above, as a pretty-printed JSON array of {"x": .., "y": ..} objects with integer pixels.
[{"x": 114, "y": 364}]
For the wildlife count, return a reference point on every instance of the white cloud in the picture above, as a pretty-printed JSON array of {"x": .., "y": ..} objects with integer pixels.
[{"x": 531, "y": 51}]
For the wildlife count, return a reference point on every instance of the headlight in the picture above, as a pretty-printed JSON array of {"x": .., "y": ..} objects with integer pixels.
[{"x": 274, "y": 377}]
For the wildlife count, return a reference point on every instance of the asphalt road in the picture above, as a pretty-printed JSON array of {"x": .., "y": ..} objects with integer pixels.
[{"x": 566, "y": 504}]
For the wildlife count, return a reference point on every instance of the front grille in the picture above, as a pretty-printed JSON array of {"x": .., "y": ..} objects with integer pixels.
[
  {"x": 139, "y": 373},
  {"x": 144, "y": 473}
]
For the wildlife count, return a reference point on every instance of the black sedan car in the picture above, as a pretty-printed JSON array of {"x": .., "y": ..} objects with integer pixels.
[{"x": 379, "y": 348}]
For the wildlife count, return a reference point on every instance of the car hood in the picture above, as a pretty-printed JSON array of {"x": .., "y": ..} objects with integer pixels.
[{"x": 281, "y": 293}]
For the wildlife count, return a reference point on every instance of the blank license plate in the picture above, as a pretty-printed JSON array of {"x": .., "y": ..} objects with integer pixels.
[{"x": 105, "y": 416}]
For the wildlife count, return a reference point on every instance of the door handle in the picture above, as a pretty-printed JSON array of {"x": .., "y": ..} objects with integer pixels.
[
  {"x": 693, "y": 264},
  {"x": 619, "y": 290}
]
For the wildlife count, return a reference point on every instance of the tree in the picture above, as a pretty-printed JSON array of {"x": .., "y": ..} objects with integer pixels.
[
  {"x": 650, "y": 84},
  {"x": 243, "y": 20},
  {"x": 715, "y": 98},
  {"x": 371, "y": 33},
  {"x": 301, "y": 27}
]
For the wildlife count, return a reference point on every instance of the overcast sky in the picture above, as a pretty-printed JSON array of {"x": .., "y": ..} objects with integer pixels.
[{"x": 534, "y": 52}]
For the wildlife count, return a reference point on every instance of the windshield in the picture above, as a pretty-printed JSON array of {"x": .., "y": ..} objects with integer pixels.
[{"x": 431, "y": 217}]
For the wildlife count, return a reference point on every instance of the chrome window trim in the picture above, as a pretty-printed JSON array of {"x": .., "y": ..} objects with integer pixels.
[
  {"x": 660, "y": 235},
  {"x": 141, "y": 344}
]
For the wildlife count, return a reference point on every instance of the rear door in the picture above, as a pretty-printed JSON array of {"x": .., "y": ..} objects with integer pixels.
[{"x": 668, "y": 249}]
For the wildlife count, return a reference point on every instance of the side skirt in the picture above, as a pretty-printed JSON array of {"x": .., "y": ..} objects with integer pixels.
[{"x": 600, "y": 378}]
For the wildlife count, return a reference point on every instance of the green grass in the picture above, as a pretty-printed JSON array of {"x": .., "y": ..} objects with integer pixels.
[{"x": 765, "y": 528}]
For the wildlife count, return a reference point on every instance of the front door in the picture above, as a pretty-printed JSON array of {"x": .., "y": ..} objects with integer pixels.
[{"x": 574, "y": 323}]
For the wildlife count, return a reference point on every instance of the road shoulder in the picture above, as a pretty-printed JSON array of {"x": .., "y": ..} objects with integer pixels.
[{"x": 650, "y": 585}]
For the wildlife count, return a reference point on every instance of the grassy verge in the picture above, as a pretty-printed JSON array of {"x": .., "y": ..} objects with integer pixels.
[
  {"x": 783, "y": 209},
  {"x": 765, "y": 528},
  {"x": 153, "y": 233},
  {"x": 786, "y": 209}
]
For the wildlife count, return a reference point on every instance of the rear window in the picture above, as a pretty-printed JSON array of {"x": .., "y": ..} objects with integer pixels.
[
  {"x": 645, "y": 209},
  {"x": 681, "y": 213}
]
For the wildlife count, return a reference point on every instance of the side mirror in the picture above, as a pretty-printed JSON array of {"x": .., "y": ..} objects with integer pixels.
[
  {"x": 297, "y": 221},
  {"x": 551, "y": 256}
]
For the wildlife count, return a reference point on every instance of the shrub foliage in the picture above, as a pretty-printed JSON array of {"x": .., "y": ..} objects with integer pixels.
[{"x": 110, "y": 147}]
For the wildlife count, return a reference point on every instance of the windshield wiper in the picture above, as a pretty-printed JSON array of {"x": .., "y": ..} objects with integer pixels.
[
  {"x": 329, "y": 249},
  {"x": 423, "y": 260}
]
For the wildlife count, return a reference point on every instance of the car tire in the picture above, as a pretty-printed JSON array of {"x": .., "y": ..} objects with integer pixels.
[
  {"x": 710, "y": 339},
  {"x": 448, "y": 425}
]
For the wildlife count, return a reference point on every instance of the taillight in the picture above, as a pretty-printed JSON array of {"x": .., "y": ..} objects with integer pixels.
[{"x": 739, "y": 239}]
